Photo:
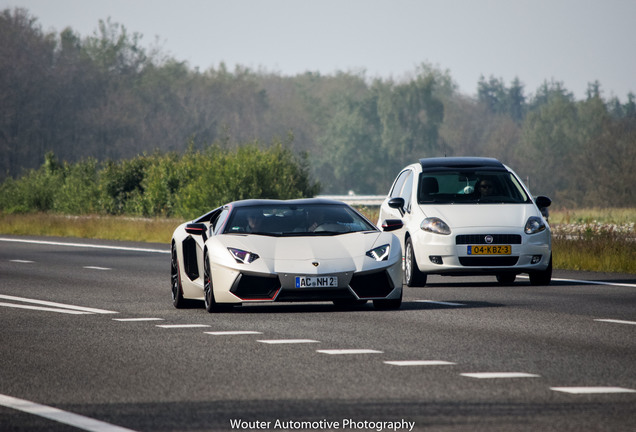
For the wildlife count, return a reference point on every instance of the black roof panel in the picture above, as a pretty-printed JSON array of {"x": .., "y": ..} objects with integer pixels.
[{"x": 429, "y": 164}]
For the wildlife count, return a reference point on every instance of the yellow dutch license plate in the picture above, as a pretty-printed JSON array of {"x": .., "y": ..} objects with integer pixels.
[{"x": 489, "y": 250}]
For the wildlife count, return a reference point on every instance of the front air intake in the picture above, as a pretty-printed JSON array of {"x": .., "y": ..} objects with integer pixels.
[
  {"x": 248, "y": 287},
  {"x": 372, "y": 285}
]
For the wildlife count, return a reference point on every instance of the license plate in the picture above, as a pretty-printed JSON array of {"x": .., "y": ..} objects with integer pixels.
[
  {"x": 316, "y": 281},
  {"x": 489, "y": 250}
]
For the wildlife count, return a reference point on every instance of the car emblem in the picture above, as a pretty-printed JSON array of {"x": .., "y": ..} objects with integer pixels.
[
  {"x": 315, "y": 263},
  {"x": 488, "y": 239}
]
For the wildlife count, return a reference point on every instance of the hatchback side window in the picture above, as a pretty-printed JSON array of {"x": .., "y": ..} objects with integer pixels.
[
  {"x": 399, "y": 182},
  {"x": 407, "y": 190}
]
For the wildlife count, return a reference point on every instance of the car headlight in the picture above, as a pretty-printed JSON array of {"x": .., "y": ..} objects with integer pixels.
[
  {"x": 534, "y": 225},
  {"x": 243, "y": 257},
  {"x": 381, "y": 253},
  {"x": 435, "y": 225}
]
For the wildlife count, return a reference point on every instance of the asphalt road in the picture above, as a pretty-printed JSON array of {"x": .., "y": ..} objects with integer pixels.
[{"x": 461, "y": 354}]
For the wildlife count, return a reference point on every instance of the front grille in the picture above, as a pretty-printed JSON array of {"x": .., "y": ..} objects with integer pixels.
[
  {"x": 372, "y": 285},
  {"x": 466, "y": 239},
  {"x": 249, "y": 287},
  {"x": 314, "y": 294},
  {"x": 488, "y": 261}
]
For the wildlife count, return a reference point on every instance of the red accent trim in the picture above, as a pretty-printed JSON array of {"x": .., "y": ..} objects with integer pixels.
[{"x": 272, "y": 298}]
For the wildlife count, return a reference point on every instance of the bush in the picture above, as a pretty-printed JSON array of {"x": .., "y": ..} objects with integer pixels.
[{"x": 162, "y": 184}]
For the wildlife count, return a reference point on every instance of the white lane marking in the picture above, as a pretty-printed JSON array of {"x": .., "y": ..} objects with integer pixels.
[
  {"x": 419, "y": 362},
  {"x": 172, "y": 326},
  {"x": 589, "y": 282},
  {"x": 95, "y": 246},
  {"x": 288, "y": 341},
  {"x": 75, "y": 420},
  {"x": 19, "y": 261},
  {"x": 233, "y": 332},
  {"x": 440, "y": 303},
  {"x": 495, "y": 375},
  {"x": 41, "y": 308},
  {"x": 58, "y": 305},
  {"x": 615, "y": 321},
  {"x": 137, "y": 319},
  {"x": 592, "y": 390},
  {"x": 349, "y": 351},
  {"x": 96, "y": 268}
]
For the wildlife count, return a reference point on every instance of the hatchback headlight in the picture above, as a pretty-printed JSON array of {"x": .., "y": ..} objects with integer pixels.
[
  {"x": 435, "y": 225},
  {"x": 381, "y": 253},
  {"x": 534, "y": 225},
  {"x": 243, "y": 257}
]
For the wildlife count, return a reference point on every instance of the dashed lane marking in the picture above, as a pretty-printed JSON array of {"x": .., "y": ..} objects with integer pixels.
[
  {"x": 592, "y": 390},
  {"x": 288, "y": 341},
  {"x": 137, "y": 319},
  {"x": 419, "y": 362},
  {"x": 173, "y": 326},
  {"x": 60, "y": 306},
  {"x": 496, "y": 375},
  {"x": 20, "y": 261},
  {"x": 233, "y": 332},
  {"x": 349, "y": 351},
  {"x": 97, "y": 268},
  {"x": 65, "y": 417}
]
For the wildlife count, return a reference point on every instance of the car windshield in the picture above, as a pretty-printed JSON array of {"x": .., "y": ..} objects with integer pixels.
[
  {"x": 296, "y": 220},
  {"x": 470, "y": 187}
]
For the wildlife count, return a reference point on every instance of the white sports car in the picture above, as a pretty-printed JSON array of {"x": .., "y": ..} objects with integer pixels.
[
  {"x": 469, "y": 216},
  {"x": 297, "y": 250}
]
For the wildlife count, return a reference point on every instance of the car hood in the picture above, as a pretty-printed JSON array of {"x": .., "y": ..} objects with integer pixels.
[
  {"x": 482, "y": 215},
  {"x": 306, "y": 248},
  {"x": 335, "y": 254}
]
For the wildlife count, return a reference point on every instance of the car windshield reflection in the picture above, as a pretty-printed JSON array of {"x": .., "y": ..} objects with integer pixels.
[
  {"x": 470, "y": 187},
  {"x": 296, "y": 221}
]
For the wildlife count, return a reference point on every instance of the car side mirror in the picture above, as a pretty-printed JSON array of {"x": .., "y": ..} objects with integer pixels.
[
  {"x": 543, "y": 203},
  {"x": 396, "y": 203},
  {"x": 197, "y": 229},
  {"x": 392, "y": 224}
]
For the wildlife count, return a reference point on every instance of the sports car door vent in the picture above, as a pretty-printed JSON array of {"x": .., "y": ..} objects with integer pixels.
[
  {"x": 372, "y": 285},
  {"x": 248, "y": 287},
  {"x": 190, "y": 258}
]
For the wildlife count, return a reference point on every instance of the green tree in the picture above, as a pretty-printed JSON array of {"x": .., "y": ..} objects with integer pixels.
[
  {"x": 351, "y": 157},
  {"x": 410, "y": 116},
  {"x": 549, "y": 138}
]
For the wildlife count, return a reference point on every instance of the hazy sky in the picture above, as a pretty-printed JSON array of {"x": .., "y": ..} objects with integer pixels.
[{"x": 572, "y": 41}]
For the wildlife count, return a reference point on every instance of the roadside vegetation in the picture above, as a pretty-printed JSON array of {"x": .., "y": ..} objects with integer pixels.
[
  {"x": 595, "y": 239},
  {"x": 160, "y": 185}
]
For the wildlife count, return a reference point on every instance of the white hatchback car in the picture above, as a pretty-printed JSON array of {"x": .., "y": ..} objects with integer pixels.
[{"x": 469, "y": 216}]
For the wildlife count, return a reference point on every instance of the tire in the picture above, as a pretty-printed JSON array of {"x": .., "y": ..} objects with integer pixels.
[
  {"x": 208, "y": 291},
  {"x": 412, "y": 274},
  {"x": 506, "y": 278},
  {"x": 175, "y": 278},
  {"x": 542, "y": 277}
]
